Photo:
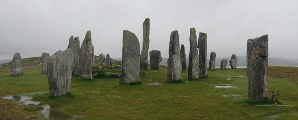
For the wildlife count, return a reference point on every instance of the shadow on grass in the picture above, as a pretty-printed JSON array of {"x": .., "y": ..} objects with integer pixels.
[
  {"x": 176, "y": 82},
  {"x": 67, "y": 95}
]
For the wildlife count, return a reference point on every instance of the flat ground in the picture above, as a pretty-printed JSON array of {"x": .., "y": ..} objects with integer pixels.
[{"x": 105, "y": 98}]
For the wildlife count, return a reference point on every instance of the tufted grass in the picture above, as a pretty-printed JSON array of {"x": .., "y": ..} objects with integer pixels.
[{"x": 105, "y": 98}]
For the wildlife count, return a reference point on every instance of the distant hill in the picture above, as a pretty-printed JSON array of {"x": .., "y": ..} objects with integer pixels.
[
  {"x": 273, "y": 61},
  {"x": 242, "y": 61}
]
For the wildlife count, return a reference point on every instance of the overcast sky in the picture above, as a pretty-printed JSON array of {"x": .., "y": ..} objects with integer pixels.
[{"x": 35, "y": 26}]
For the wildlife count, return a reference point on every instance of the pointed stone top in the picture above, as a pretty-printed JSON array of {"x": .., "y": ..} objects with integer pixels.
[
  {"x": 88, "y": 36},
  {"x": 147, "y": 20},
  {"x": 192, "y": 31}
]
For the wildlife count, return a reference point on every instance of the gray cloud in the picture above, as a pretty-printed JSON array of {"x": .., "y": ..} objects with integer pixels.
[{"x": 33, "y": 26}]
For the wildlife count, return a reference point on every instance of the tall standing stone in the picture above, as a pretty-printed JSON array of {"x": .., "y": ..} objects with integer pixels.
[
  {"x": 174, "y": 61},
  {"x": 86, "y": 57},
  {"x": 146, "y": 41},
  {"x": 233, "y": 61},
  {"x": 223, "y": 65},
  {"x": 74, "y": 45},
  {"x": 44, "y": 62},
  {"x": 212, "y": 61},
  {"x": 183, "y": 57},
  {"x": 202, "y": 45},
  {"x": 16, "y": 65},
  {"x": 257, "y": 68},
  {"x": 59, "y": 70},
  {"x": 155, "y": 59},
  {"x": 193, "y": 64},
  {"x": 108, "y": 61},
  {"x": 130, "y": 58}
]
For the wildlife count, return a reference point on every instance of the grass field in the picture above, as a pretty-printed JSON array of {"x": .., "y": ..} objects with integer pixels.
[{"x": 154, "y": 98}]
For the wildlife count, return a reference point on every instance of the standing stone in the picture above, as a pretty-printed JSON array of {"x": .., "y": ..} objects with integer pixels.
[
  {"x": 174, "y": 61},
  {"x": 16, "y": 65},
  {"x": 130, "y": 58},
  {"x": 193, "y": 64},
  {"x": 212, "y": 61},
  {"x": 59, "y": 70},
  {"x": 146, "y": 41},
  {"x": 257, "y": 68},
  {"x": 86, "y": 57},
  {"x": 233, "y": 61},
  {"x": 44, "y": 62},
  {"x": 155, "y": 59},
  {"x": 108, "y": 61},
  {"x": 74, "y": 45},
  {"x": 183, "y": 57},
  {"x": 223, "y": 65},
  {"x": 202, "y": 45}
]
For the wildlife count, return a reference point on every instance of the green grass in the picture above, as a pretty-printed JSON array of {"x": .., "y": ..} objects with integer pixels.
[{"x": 105, "y": 98}]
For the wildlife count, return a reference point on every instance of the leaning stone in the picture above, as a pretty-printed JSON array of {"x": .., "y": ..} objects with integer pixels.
[
  {"x": 223, "y": 65},
  {"x": 183, "y": 57},
  {"x": 130, "y": 58},
  {"x": 193, "y": 64},
  {"x": 74, "y": 45},
  {"x": 257, "y": 68},
  {"x": 44, "y": 63},
  {"x": 16, "y": 65},
  {"x": 174, "y": 61},
  {"x": 86, "y": 57},
  {"x": 155, "y": 59},
  {"x": 108, "y": 61},
  {"x": 202, "y": 45},
  {"x": 146, "y": 41},
  {"x": 233, "y": 61},
  {"x": 212, "y": 61},
  {"x": 59, "y": 70}
]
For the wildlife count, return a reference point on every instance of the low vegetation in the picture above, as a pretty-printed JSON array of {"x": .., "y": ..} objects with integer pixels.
[{"x": 104, "y": 98}]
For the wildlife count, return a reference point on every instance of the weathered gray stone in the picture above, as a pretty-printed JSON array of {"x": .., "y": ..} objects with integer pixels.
[
  {"x": 16, "y": 65},
  {"x": 86, "y": 57},
  {"x": 155, "y": 59},
  {"x": 183, "y": 57},
  {"x": 44, "y": 63},
  {"x": 174, "y": 61},
  {"x": 113, "y": 74},
  {"x": 202, "y": 45},
  {"x": 59, "y": 72},
  {"x": 108, "y": 61},
  {"x": 130, "y": 58},
  {"x": 257, "y": 68},
  {"x": 146, "y": 41},
  {"x": 74, "y": 45},
  {"x": 193, "y": 64},
  {"x": 212, "y": 61},
  {"x": 233, "y": 61},
  {"x": 223, "y": 65}
]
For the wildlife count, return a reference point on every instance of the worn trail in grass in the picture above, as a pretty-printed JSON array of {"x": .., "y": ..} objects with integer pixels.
[{"x": 105, "y": 98}]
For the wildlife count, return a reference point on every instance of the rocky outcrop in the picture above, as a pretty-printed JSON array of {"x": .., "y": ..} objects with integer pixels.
[
  {"x": 212, "y": 61},
  {"x": 74, "y": 45},
  {"x": 59, "y": 72},
  {"x": 202, "y": 45},
  {"x": 233, "y": 61},
  {"x": 145, "y": 48},
  {"x": 86, "y": 57},
  {"x": 155, "y": 59},
  {"x": 223, "y": 65},
  {"x": 130, "y": 58},
  {"x": 16, "y": 65},
  {"x": 193, "y": 64},
  {"x": 257, "y": 68},
  {"x": 44, "y": 63},
  {"x": 174, "y": 61},
  {"x": 183, "y": 57}
]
